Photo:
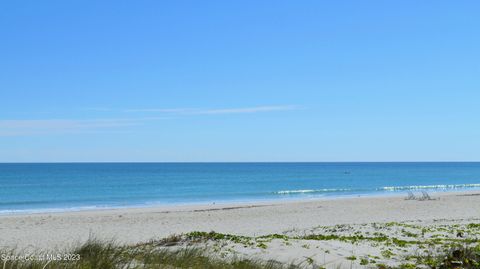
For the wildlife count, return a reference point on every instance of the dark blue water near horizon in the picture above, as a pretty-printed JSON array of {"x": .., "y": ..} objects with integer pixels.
[{"x": 37, "y": 187}]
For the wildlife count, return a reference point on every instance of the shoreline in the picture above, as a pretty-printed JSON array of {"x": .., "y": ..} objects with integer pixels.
[
  {"x": 131, "y": 226},
  {"x": 287, "y": 198}
]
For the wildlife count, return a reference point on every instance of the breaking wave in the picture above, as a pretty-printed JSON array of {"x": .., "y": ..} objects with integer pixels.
[
  {"x": 311, "y": 191},
  {"x": 387, "y": 188},
  {"x": 421, "y": 187}
]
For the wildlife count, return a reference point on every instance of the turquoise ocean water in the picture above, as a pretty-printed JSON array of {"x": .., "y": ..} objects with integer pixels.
[{"x": 75, "y": 186}]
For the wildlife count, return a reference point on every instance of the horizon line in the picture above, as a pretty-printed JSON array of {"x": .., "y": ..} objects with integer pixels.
[{"x": 226, "y": 162}]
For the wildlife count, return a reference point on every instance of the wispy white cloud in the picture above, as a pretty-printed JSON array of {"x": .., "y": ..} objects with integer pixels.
[
  {"x": 52, "y": 126},
  {"x": 218, "y": 111},
  {"x": 59, "y": 126}
]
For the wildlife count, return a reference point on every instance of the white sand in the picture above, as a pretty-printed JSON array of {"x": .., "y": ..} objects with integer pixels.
[{"x": 60, "y": 230}]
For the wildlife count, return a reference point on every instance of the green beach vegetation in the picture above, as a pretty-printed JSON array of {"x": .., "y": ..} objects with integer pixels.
[
  {"x": 96, "y": 254},
  {"x": 397, "y": 245}
]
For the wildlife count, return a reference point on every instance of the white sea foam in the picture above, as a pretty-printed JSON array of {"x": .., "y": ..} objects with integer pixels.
[
  {"x": 53, "y": 210},
  {"x": 421, "y": 187},
  {"x": 310, "y": 191},
  {"x": 387, "y": 188}
]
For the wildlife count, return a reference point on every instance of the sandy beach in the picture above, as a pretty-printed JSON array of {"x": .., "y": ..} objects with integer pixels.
[{"x": 55, "y": 231}]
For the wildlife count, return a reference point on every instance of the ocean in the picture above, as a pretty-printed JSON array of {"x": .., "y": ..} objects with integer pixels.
[{"x": 42, "y": 187}]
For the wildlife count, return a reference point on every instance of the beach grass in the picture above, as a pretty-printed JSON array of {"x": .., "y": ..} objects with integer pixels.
[
  {"x": 96, "y": 254},
  {"x": 172, "y": 253},
  {"x": 440, "y": 244}
]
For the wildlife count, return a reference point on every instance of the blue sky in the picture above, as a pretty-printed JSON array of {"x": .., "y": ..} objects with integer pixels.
[{"x": 239, "y": 81}]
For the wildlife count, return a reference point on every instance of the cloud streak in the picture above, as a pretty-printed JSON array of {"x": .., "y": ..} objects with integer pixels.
[
  {"x": 54, "y": 126},
  {"x": 62, "y": 126},
  {"x": 220, "y": 111}
]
